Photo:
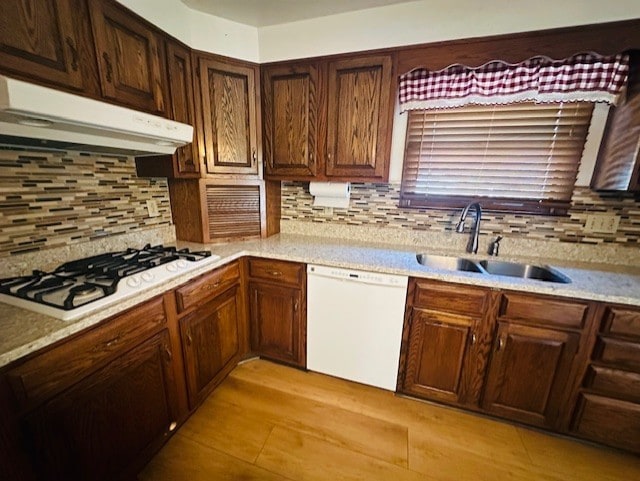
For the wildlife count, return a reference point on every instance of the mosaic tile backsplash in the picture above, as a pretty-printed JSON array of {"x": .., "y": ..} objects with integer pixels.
[
  {"x": 56, "y": 199},
  {"x": 377, "y": 205}
]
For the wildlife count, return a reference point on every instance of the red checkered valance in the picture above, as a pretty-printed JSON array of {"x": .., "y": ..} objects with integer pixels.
[{"x": 583, "y": 77}]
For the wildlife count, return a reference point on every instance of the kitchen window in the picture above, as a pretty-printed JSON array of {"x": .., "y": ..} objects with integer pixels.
[
  {"x": 509, "y": 136},
  {"x": 520, "y": 157}
]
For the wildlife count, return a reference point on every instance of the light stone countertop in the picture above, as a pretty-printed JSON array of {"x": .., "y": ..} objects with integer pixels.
[{"x": 23, "y": 332}]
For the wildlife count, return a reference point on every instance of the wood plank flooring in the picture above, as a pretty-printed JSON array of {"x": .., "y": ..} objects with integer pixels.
[{"x": 270, "y": 422}]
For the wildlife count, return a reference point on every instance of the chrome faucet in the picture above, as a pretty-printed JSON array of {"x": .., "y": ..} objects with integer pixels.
[{"x": 472, "y": 246}]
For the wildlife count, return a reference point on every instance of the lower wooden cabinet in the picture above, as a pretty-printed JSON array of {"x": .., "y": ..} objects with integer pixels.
[
  {"x": 528, "y": 373},
  {"x": 442, "y": 356},
  {"x": 103, "y": 426},
  {"x": 277, "y": 299},
  {"x": 211, "y": 343},
  {"x": 507, "y": 354},
  {"x": 608, "y": 401}
]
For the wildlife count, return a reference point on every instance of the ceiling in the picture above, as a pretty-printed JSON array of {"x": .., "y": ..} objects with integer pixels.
[{"x": 261, "y": 13}]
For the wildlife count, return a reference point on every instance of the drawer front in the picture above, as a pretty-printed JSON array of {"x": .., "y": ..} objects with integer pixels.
[
  {"x": 614, "y": 382},
  {"x": 543, "y": 310},
  {"x": 623, "y": 354},
  {"x": 450, "y": 298},
  {"x": 66, "y": 364},
  {"x": 608, "y": 421},
  {"x": 622, "y": 321},
  {"x": 278, "y": 271},
  {"x": 206, "y": 287}
]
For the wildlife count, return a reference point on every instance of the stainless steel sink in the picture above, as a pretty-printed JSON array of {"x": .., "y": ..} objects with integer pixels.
[
  {"x": 524, "y": 271},
  {"x": 447, "y": 263}
]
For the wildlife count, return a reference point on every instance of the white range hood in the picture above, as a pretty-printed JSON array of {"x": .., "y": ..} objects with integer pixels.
[{"x": 38, "y": 117}]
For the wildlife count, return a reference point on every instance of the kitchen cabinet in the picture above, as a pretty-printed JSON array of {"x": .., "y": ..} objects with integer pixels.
[
  {"x": 131, "y": 58},
  {"x": 328, "y": 119},
  {"x": 228, "y": 102},
  {"x": 444, "y": 360},
  {"x": 508, "y": 354},
  {"x": 213, "y": 333},
  {"x": 186, "y": 160},
  {"x": 209, "y": 210},
  {"x": 291, "y": 120},
  {"x": 99, "y": 405},
  {"x": 44, "y": 42},
  {"x": 608, "y": 401},
  {"x": 277, "y": 298}
]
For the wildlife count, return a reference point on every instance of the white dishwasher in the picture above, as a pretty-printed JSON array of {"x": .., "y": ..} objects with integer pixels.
[{"x": 354, "y": 324}]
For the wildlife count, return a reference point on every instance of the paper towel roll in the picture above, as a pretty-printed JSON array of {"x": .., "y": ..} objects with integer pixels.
[{"x": 330, "y": 194}]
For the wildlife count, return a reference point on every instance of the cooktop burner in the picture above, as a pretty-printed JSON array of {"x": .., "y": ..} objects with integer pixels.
[{"x": 81, "y": 286}]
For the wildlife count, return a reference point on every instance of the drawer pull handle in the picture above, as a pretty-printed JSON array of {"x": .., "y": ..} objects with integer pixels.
[
  {"x": 214, "y": 285},
  {"x": 113, "y": 342},
  {"x": 310, "y": 158},
  {"x": 254, "y": 158},
  {"x": 189, "y": 338},
  {"x": 295, "y": 306},
  {"x": 501, "y": 343},
  {"x": 275, "y": 273},
  {"x": 74, "y": 54},
  {"x": 473, "y": 339}
]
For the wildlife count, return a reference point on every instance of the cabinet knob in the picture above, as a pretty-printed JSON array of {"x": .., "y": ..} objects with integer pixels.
[
  {"x": 189, "y": 338},
  {"x": 473, "y": 338},
  {"x": 295, "y": 306},
  {"x": 172, "y": 426},
  {"x": 501, "y": 343},
  {"x": 254, "y": 158},
  {"x": 311, "y": 158},
  {"x": 167, "y": 353}
]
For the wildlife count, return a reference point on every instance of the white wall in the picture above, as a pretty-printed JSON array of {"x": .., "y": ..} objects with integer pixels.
[
  {"x": 199, "y": 30},
  {"x": 431, "y": 20}
]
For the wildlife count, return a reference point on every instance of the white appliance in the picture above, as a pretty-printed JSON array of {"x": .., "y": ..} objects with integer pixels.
[
  {"x": 40, "y": 117},
  {"x": 354, "y": 324}
]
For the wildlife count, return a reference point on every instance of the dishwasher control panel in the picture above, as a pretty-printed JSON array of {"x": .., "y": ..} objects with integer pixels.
[{"x": 358, "y": 276}]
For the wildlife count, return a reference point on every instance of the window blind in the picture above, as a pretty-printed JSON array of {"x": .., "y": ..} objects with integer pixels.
[{"x": 516, "y": 157}]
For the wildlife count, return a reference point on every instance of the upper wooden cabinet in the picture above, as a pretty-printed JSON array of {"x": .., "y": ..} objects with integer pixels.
[
  {"x": 358, "y": 118},
  {"x": 187, "y": 158},
  {"x": 41, "y": 41},
  {"x": 290, "y": 116},
  {"x": 131, "y": 58},
  {"x": 328, "y": 120},
  {"x": 229, "y": 113}
]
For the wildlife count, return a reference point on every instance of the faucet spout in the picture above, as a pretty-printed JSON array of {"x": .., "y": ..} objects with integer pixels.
[{"x": 472, "y": 245}]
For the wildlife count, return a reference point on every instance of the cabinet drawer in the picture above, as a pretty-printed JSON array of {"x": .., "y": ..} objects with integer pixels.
[
  {"x": 543, "y": 310},
  {"x": 622, "y": 321},
  {"x": 609, "y": 421},
  {"x": 280, "y": 271},
  {"x": 619, "y": 353},
  {"x": 450, "y": 298},
  {"x": 614, "y": 382},
  {"x": 66, "y": 364},
  {"x": 206, "y": 287}
]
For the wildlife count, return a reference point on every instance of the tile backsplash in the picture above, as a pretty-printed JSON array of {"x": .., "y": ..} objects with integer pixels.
[
  {"x": 377, "y": 205},
  {"x": 59, "y": 199}
]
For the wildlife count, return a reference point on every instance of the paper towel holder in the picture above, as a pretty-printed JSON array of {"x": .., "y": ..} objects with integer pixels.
[{"x": 330, "y": 194}]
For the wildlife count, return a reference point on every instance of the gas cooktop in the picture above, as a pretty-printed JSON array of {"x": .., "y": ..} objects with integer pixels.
[{"x": 82, "y": 286}]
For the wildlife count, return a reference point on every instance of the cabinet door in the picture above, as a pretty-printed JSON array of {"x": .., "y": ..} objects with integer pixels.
[
  {"x": 290, "y": 120},
  {"x": 439, "y": 346},
  {"x": 110, "y": 421},
  {"x": 358, "y": 123},
  {"x": 211, "y": 343},
  {"x": 229, "y": 117},
  {"x": 130, "y": 58},
  {"x": 37, "y": 39},
  {"x": 528, "y": 373},
  {"x": 186, "y": 159},
  {"x": 276, "y": 322}
]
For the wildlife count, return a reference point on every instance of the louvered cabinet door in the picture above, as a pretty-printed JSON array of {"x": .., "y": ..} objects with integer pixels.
[
  {"x": 228, "y": 102},
  {"x": 233, "y": 211},
  {"x": 359, "y": 110}
]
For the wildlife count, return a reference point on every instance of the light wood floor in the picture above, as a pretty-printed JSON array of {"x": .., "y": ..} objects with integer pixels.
[{"x": 269, "y": 422}]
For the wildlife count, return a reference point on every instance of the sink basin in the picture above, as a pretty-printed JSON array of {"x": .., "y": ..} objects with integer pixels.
[
  {"x": 447, "y": 263},
  {"x": 524, "y": 271}
]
